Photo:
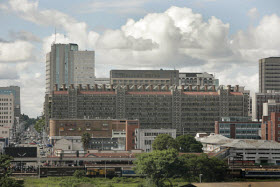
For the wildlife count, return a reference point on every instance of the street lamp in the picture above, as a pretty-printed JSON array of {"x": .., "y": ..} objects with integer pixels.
[
  {"x": 21, "y": 155},
  {"x": 200, "y": 175}
]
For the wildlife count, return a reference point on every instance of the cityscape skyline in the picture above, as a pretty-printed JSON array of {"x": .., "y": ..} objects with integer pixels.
[{"x": 229, "y": 50}]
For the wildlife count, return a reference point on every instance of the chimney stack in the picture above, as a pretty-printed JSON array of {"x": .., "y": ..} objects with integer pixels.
[
  {"x": 213, "y": 88},
  {"x": 55, "y": 87},
  {"x": 237, "y": 88},
  {"x": 63, "y": 87},
  {"x": 72, "y": 86},
  {"x": 167, "y": 87},
  {"x": 182, "y": 88},
  {"x": 96, "y": 87},
  {"x": 135, "y": 87},
  {"x": 127, "y": 87},
  {"x": 190, "y": 88},
  {"x": 159, "y": 87},
  {"x": 197, "y": 88},
  {"x": 229, "y": 88},
  {"x": 88, "y": 87},
  {"x": 80, "y": 86},
  {"x": 151, "y": 87},
  {"x": 206, "y": 88}
]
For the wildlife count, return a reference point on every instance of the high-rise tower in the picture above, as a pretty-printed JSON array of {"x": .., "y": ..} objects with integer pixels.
[{"x": 65, "y": 64}]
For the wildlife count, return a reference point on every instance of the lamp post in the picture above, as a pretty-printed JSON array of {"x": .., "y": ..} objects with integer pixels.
[
  {"x": 200, "y": 175},
  {"x": 21, "y": 155}
]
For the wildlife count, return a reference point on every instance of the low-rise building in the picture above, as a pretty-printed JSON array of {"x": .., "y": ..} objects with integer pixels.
[
  {"x": 200, "y": 79},
  {"x": 243, "y": 150},
  {"x": 238, "y": 128},
  {"x": 145, "y": 137},
  {"x": 100, "y": 130}
]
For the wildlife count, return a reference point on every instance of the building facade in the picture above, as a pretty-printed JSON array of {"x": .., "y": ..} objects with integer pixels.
[
  {"x": 101, "y": 130},
  {"x": 144, "y": 77},
  {"x": 259, "y": 99},
  {"x": 186, "y": 109},
  {"x": 271, "y": 127},
  {"x": 146, "y": 137},
  {"x": 269, "y": 77},
  {"x": 65, "y": 64},
  {"x": 198, "y": 79},
  {"x": 238, "y": 128},
  {"x": 15, "y": 90}
]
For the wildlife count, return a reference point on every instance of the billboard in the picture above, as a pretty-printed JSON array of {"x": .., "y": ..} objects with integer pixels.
[{"x": 21, "y": 152}]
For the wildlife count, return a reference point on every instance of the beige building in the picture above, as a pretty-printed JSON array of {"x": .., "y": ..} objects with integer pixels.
[{"x": 7, "y": 110}]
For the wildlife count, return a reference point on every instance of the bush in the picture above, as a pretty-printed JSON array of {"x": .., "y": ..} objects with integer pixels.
[
  {"x": 9, "y": 182},
  {"x": 79, "y": 173}
]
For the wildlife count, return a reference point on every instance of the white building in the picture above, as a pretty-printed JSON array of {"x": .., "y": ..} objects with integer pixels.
[{"x": 145, "y": 137}]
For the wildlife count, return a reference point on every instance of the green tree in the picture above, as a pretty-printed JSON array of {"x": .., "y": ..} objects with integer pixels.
[
  {"x": 188, "y": 144},
  {"x": 164, "y": 142},
  {"x": 86, "y": 140},
  {"x": 212, "y": 169},
  {"x": 5, "y": 180},
  {"x": 158, "y": 166},
  {"x": 40, "y": 124}
]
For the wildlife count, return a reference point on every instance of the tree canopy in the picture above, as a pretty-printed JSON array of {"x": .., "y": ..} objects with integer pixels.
[
  {"x": 188, "y": 144},
  {"x": 158, "y": 166},
  {"x": 86, "y": 140},
  {"x": 164, "y": 142},
  {"x": 40, "y": 124}
]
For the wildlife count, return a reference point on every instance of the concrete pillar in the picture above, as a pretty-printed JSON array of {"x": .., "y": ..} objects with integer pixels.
[
  {"x": 190, "y": 87},
  {"x": 63, "y": 87},
  {"x": 112, "y": 87},
  {"x": 96, "y": 87},
  {"x": 135, "y": 87},
  {"x": 151, "y": 87},
  {"x": 206, "y": 88},
  {"x": 72, "y": 86},
  {"x": 197, "y": 88},
  {"x": 213, "y": 88},
  {"x": 237, "y": 88},
  {"x": 159, "y": 87},
  {"x": 88, "y": 87},
  {"x": 104, "y": 87},
  {"x": 80, "y": 86}
]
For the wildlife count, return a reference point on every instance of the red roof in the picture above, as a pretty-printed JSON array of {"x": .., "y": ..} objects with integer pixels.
[
  {"x": 97, "y": 92},
  {"x": 200, "y": 93},
  {"x": 149, "y": 93},
  {"x": 236, "y": 93},
  {"x": 60, "y": 92}
]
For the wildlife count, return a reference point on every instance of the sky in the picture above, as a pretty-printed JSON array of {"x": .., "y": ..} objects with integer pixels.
[{"x": 223, "y": 37}]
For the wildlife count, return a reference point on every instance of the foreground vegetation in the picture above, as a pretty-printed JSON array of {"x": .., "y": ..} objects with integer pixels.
[{"x": 93, "y": 182}]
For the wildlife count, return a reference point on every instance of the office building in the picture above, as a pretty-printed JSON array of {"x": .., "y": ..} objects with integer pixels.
[
  {"x": 65, "y": 64},
  {"x": 271, "y": 127},
  {"x": 144, "y": 77},
  {"x": 269, "y": 107},
  {"x": 269, "y": 77},
  {"x": 145, "y": 137},
  {"x": 238, "y": 128},
  {"x": 259, "y": 99},
  {"x": 200, "y": 79},
  {"x": 15, "y": 90},
  {"x": 186, "y": 109},
  {"x": 102, "y": 81}
]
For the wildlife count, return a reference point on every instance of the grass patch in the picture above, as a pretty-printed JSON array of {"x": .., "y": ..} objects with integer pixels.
[{"x": 92, "y": 182}]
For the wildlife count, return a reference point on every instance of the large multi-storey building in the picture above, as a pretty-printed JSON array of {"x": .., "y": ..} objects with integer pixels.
[
  {"x": 259, "y": 99},
  {"x": 144, "y": 77},
  {"x": 271, "y": 127},
  {"x": 269, "y": 77},
  {"x": 186, "y": 109},
  {"x": 66, "y": 65},
  {"x": 15, "y": 90},
  {"x": 238, "y": 128},
  {"x": 198, "y": 79}
]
